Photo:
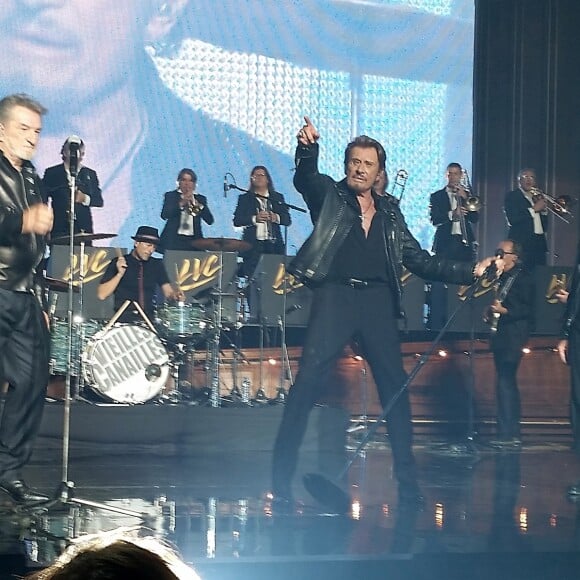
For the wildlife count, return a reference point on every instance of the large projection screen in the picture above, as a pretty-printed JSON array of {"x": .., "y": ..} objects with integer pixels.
[{"x": 220, "y": 86}]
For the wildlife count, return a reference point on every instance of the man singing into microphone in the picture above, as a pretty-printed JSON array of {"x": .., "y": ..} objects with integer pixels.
[
  {"x": 261, "y": 211},
  {"x": 57, "y": 183}
]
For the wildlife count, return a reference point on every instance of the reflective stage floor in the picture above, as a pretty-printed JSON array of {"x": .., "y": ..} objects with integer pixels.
[{"x": 487, "y": 513}]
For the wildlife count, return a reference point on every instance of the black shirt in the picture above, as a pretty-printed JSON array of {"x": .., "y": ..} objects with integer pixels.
[
  {"x": 139, "y": 282},
  {"x": 361, "y": 257}
]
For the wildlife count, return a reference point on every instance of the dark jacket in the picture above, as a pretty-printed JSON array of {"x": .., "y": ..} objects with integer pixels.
[
  {"x": 20, "y": 253},
  {"x": 571, "y": 318},
  {"x": 439, "y": 208},
  {"x": 248, "y": 206},
  {"x": 171, "y": 212},
  {"x": 513, "y": 328},
  {"x": 55, "y": 187},
  {"x": 520, "y": 221},
  {"x": 334, "y": 211}
]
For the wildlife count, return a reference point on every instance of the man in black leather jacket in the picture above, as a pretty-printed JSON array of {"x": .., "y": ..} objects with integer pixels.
[
  {"x": 353, "y": 261},
  {"x": 24, "y": 343}
]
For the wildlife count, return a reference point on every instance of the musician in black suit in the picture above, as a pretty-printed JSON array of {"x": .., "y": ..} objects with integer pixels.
[
  {"x": 510, "y": 315},
  {"x": 261, "y": 211},
  {"x": 184, "y": 209},
  {"x": 57, "y": 182},
  {"x": 446, "y": 207},
  {"x": 454, "y": 236},
  {"x": 527, "y": 219}
]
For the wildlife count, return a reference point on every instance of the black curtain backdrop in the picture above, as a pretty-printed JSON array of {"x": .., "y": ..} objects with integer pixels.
[{"x": 526, "y": 110}]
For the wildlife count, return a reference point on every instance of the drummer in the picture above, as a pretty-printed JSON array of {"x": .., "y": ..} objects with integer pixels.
[{"x": 136, "y": 277}]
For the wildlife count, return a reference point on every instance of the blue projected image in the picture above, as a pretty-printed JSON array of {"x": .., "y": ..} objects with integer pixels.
[{"x": 221, "y": 86}]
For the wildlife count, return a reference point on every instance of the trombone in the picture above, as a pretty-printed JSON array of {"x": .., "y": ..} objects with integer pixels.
[
  {"x": 472, "y": 202},
  {"x": 559, "y": 206},
  {"x": 399, "y": 185}
]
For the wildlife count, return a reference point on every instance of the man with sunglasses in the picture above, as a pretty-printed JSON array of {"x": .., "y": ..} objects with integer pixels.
[{"x": 509, "y": 317}]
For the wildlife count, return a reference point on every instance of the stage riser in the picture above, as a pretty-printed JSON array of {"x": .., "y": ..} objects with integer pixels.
[{"x": 439, "y": 393}]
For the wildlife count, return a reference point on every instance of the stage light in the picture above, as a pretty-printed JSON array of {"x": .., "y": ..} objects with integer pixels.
[
  {"x": 526, "y": 350},
  {"x": 356, "y": 509},
  {"x": 272, "y": 361},
  {"x": 439, "y": 515},
  {"x": 442, "y": 353}
]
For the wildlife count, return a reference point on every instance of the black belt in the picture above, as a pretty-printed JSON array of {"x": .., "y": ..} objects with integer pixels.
[{"x": 357, "y": 283}]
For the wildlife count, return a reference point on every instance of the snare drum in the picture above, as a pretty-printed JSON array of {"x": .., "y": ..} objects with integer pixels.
[
  {"x": 59, "y": 343},
  {"x": 182, "y": 321},
  {"x": 126, "y": 364}
]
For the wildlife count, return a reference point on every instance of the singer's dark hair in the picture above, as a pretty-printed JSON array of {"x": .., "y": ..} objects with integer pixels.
[
  {"x": 19, "y": 100},
  {"x": 268, "y": 177},
  {"x": 367, "y": 143},
  {"x": 187, "y": 171},
  {"x": 454, "y": 165}
]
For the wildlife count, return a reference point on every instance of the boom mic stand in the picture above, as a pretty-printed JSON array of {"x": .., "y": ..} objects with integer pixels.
[
  {"x": 330, "y": 493},
  {"x": 466, "y": 448},
  {"x": 285, "y": 370},
  {"x": 65, "y": 491}
]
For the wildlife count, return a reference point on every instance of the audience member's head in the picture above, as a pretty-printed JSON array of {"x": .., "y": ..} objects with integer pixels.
[{"x": 106, "y": 557}]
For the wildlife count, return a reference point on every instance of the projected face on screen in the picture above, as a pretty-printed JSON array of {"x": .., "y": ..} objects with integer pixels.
[{"x": 221, "y": 86}]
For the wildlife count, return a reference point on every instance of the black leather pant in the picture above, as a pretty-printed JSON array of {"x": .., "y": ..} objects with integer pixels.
[
  {"x": 340, "y": 312},
  {"x": 24, "y": 359}
]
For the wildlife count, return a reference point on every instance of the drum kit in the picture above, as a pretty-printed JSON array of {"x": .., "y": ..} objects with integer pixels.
[{"x": 133, "y": 363}]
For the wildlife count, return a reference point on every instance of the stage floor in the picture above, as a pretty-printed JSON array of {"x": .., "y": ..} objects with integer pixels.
[{"x": 488, "y": 514}]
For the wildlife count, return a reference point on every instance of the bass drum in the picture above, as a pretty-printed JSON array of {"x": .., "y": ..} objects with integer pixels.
[{"x": 126, "y": 364}]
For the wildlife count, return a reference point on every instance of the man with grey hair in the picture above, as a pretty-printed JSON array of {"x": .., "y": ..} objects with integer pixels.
[{"x": 24, "y": 341}]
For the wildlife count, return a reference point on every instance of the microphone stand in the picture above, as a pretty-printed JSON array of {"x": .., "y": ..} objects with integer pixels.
[
  {"x": 285, "y": 370},
  {"x": 65, "y": 491},
  {"x": 467, "y": 448},
  {"x": 288, "y": 205}
]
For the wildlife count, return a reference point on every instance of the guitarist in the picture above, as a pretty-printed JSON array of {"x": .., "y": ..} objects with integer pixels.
[{"x": 511, "y": 313}]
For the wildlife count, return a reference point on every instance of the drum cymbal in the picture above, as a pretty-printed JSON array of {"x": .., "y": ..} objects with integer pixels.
[
  {"x": 83, "y": 237},
  {"x": 221, "y": 245},
  {"x": 57, "y": 285}
]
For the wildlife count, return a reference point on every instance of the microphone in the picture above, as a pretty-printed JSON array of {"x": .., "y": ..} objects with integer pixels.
[
  {"x": 490, "y": 273},
  {"x": 293, "y": 308},
  {"x": 226, "y": 187},
  {"x": 74, "y": 145}
]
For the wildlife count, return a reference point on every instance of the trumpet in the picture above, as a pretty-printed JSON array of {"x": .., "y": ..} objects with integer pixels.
[
  {"x": 559, "y": 206},
  {"x": 194, "y": 207}
]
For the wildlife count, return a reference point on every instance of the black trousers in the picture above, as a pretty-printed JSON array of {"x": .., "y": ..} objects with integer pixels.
[
  {"x": 507, "y": 393},
  {"x": 338, "y": 313},
  {"x": 24, "y": 358}
]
